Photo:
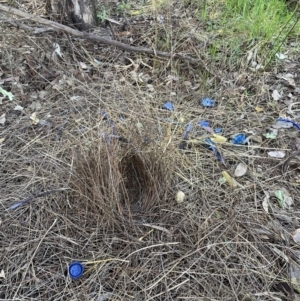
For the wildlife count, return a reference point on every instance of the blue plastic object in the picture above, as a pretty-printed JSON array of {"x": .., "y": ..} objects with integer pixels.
[
  {"x": 187, "y": 130},
  {"x": 168, "y": 106},
  {"x": 203, "y": 124},
  {"x": 218, "y": 130},
  {"x": 76, "y": 270},
  {"x": 296, "y": 125},
  {"x": 207, "y": 102},
  {"x": 210, "y": 145},
  {"x": 239, "y": 139}
]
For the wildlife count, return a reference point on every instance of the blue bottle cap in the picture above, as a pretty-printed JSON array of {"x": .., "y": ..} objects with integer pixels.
[
  {"x": 239, "y": 139},
  {"x": 75, "y": 270}
]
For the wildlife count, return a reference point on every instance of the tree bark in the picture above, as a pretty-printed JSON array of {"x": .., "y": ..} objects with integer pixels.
[{"x": 78, "y": 13}]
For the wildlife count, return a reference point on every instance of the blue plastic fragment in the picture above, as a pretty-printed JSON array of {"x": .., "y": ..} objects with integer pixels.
[
  {"x": 168, "y": 106},
  {"x": 218, "y": 130},
  {"x": 14, "y": 206},
  {"x": 203, "y": 124},
  {"x": 239, "y": 139},
  {"x": 185, "y": 135},
  {"x": 212, "y": 147},
  {"x": 209, "y": 143},
  {"x": 207, "y": 102},
  {"x": 75, "y": 269},
  {"x": 187, "y": 130},
  {"x": 296, "y": 125}
]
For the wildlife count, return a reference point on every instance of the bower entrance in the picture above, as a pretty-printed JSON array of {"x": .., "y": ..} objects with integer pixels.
[{"x": 121, "y": 182}]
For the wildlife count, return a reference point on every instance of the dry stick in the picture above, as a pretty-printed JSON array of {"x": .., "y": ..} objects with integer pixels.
[
  {"x": 94, "y": 37},
  {"x": 288, "y": 160},
  {"x": 18, "y": 24},
  {"x": 24, "y": 201}
]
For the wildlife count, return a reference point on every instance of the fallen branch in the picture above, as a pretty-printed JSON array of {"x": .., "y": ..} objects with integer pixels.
[
  {"x": 18, "y": 24},
  {"x": 94, "y": 37}
]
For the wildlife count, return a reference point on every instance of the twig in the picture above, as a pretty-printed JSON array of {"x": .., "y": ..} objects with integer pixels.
[
  {"x": 16, "y": 23},
  {"x": 16, "y": 205},
  {"x": 288, "y": 160},
  {"x": 94, "y": 37}
]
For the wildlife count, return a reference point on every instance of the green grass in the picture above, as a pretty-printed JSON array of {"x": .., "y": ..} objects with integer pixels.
[
  {"x": 257, "y": 18},
  {"x": 242, "y": 23}
]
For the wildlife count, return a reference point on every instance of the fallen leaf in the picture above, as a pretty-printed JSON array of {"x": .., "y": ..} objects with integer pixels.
[
  {"x": 276, "y": 95},
  {"x": 296, "y": 236},
  {"x": 139, "y": 125},
  {"x": 8, "y": 94},
  {"x": 280, "y": 197},
  {"x": 180, "y": 196},
  {"x": 222, "y": 180},
  {"x": 265, "y": 204},
  {"x": 295, "y": 276},
  {"x": 240, "y": 170},
  {"x": 218, "y": 138},
  {"x": 255, "y": 138},
  {"x": 83, "y": 65},
  {"x": 18, "y": 108},
  {"x": 56, "y": 51},
  {"x": 259, "y": 109},
  {"x": 134, "y": 76},
  {"x": 276, "y": 154},
  {"x": 284, "y": 198},
  {"x": 34, "y": 118},
  {"x": 289, "y": 78},
  {"x": 2, "y": 274},
  {"x": 270, "y": 135},
  {"x": 2, "y": 119},
  {"x": 232, "y": 182},
  {"x": 288, "y": 200},
  {"x": 281, "y": 56},
  {"x": 35, "y": 106},
  {"x": 1, "y": 141}
]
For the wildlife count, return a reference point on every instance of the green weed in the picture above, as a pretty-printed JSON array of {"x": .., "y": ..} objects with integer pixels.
[{"x": 239, "y": 23}]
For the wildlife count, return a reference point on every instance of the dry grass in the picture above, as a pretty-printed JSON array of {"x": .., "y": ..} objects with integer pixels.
[{"x": 119, "y": 172}]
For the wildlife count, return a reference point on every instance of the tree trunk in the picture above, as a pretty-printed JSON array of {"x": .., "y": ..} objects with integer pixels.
[{"x": 78, "y": 13}]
